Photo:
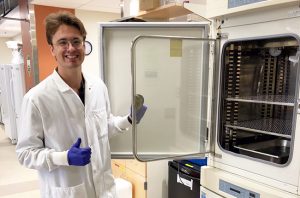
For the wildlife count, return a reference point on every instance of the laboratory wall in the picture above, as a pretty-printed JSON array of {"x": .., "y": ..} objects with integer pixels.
[
  {"x": 6, "y": 56},
  {"x": 91, "y": 64},
  {"x": 17, "y": 38},
  {"x": 46, "y": 62}
]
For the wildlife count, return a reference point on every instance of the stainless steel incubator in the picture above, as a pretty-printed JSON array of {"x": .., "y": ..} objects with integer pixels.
[{"x": 227, "y": 89}]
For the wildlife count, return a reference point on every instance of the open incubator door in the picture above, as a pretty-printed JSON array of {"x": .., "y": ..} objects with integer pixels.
[{"x": 171, "y": 73}]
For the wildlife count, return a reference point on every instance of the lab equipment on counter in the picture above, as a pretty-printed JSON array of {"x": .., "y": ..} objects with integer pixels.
[{"x": 184, "y": 179}]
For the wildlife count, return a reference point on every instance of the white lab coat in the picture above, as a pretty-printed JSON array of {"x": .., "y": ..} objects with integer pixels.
[{"x": 52, "y": 119}]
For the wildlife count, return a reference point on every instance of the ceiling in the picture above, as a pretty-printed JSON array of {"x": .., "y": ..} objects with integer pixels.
[
  {"x": 95, "y": 5},
  {"x": 11, "y": 28}
]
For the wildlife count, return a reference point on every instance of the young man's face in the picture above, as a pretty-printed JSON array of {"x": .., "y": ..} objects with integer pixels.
[{"x": 68, "y": 47}]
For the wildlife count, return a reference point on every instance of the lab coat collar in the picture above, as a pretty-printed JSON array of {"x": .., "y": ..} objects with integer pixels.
[{"x": 63, "y": 86}]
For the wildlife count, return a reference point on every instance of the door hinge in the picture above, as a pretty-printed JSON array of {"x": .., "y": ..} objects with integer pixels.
[
  {"x": 298, "y": 106},
  {"x": 145, "y": 185},
  {"x": 222, "y": 35},
  {"x": 207, "y": 133},
  {"x": 217, "y": 155}
]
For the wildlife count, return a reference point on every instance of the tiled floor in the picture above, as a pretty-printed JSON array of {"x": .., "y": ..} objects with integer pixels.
[{"x": 15, "y": 181}]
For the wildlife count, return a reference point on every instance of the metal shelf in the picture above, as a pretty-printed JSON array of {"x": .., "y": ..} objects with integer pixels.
[
  {"x": 276, "y": 150},
  {"x": 283, "y": 100},
  {"x": 276, "y": 127}
]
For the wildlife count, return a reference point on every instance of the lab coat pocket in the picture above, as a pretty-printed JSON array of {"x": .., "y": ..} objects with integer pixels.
[
  {"x": 100, "y": 122},
  {"x": 70, "y": 192}
]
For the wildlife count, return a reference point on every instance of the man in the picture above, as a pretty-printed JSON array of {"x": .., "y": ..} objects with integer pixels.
[{"x": 66, "y": 121}]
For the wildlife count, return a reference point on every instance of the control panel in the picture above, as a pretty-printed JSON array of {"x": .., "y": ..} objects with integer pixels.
[{"x": 236, "y": 191}]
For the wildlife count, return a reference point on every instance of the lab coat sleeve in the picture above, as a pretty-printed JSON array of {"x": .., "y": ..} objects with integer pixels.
[
  {"x": 116, "y": 124},
  {"x": 30, "y": 148},
  {"x": 122, "y": 123}
]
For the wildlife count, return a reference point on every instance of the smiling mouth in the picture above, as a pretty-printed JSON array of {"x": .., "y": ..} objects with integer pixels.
[{"x": 72, "y": 57}]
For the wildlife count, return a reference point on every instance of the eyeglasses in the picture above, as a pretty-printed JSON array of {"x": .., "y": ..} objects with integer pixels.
[{"x": 64, "y": 43}]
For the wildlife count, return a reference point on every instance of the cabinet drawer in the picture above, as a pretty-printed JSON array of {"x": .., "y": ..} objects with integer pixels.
[
  {"x": 118, "y": 168},
  {"x": 137, "y": 167},
  {"x": 120, "y": 162},
  {"x": 137, "y": 183}
]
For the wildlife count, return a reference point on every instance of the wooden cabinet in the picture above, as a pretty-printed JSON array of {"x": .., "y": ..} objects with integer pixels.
[
  {"x": 134, "y": 172},
  {"x": 138, "y": 183},
  {"x": 148, "y": 4},
  {"x": 137, "y": 167},
  {"x": 118, "y": 168},
  {"x": 149, "y": 180}
]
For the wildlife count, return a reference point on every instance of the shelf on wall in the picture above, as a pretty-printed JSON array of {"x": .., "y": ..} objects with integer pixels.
[{"x": 165, "y": 12}]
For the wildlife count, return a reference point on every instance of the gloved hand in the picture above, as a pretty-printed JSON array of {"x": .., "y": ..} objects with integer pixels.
[
  {"x": 140, "y": 109},
  {"x": 79, "y": 156},
  {"x": 139, "y": 114}
]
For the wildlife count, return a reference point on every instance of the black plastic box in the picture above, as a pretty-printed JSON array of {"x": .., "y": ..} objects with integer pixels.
[{"x": 184, "y": 179}]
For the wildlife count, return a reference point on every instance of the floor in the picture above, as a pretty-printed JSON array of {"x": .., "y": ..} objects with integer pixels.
[{"x": 16, "y": 181}]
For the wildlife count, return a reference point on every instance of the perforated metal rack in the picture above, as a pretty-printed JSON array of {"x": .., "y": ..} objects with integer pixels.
[
  {"x": 232, "y": 87},
  {"x": 276, "y": 127},
  {"x": 266, "y": 99},
  {"x": 274, "y": 92}
]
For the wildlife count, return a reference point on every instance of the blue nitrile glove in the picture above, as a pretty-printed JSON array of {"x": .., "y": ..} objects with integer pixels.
[
  {"x": 140, "y": 109},
  {"x": 79, "y": 156},
  {"x": 139, "y": 114}
]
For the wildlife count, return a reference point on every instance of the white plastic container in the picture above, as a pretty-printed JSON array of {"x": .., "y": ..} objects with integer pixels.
[{"x": 123, "y": 188}]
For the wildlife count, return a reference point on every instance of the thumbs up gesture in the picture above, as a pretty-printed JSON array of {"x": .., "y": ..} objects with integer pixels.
[{"x": 79, "y": 156}]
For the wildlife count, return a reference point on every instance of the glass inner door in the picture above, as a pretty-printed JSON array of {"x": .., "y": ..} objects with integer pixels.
[{"x": 171, "y": 73}]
